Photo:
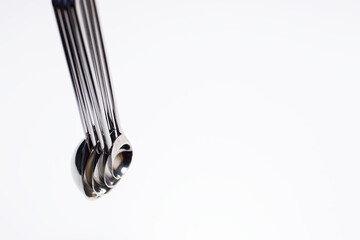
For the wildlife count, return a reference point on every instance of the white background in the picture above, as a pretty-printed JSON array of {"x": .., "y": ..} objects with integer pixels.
[{"x": 244, "y": 117}]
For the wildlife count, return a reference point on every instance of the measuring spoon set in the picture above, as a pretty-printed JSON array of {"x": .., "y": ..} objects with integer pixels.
[{"x": 105, "y": 154}]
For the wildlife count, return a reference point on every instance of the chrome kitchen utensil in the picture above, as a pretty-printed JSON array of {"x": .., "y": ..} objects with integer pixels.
[{"x": 105, "y": 154}]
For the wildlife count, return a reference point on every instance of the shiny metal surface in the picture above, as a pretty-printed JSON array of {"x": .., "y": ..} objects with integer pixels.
[{"x": 105, "y": 155}]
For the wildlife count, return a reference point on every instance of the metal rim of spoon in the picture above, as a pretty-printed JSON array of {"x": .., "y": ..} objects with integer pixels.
[{"x": 105, "y": 154}]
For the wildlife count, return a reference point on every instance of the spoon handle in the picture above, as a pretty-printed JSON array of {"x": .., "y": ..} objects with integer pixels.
[
  {"x": 103, "y": 66},
  {"x": 75, "y": 70},
  {"x": 96, "y": 89}
]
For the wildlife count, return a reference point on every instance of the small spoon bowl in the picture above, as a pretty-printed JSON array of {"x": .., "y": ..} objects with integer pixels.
[
  {"x": 118, "y": 161},
  {"x": 81, "y": 161},
  {"x": 98, "y": 169}
]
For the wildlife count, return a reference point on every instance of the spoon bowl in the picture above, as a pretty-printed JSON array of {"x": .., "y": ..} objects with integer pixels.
[
  {"x": 118, "y": 161},
  {"x": 78, "y": 166}
]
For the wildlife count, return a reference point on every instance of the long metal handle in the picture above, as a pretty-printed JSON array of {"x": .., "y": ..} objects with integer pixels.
[
  {"x": 103, "y": 65},
  {"x": 76, "y": 73}
]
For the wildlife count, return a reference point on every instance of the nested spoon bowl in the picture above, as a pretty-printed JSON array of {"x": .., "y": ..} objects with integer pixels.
[
  {"x": 118, "y": 161},
  {"x": 78, "y": 167}
]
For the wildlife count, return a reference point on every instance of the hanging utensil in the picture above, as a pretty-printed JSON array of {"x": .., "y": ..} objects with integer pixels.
[{"x": 105, "y": 154}]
